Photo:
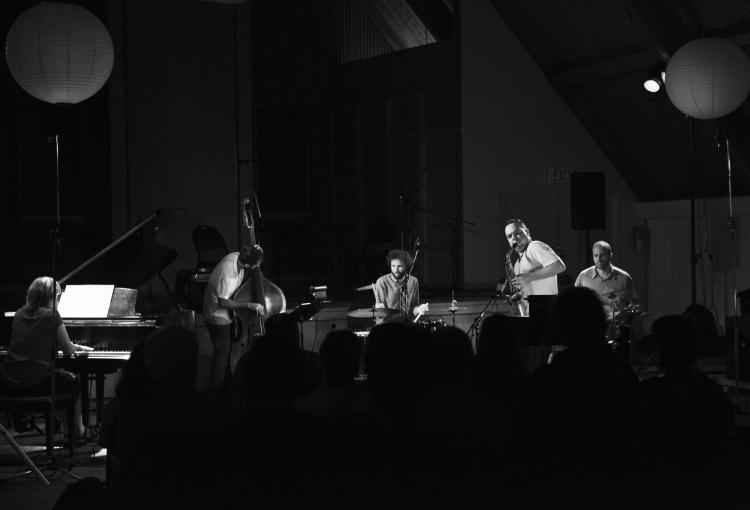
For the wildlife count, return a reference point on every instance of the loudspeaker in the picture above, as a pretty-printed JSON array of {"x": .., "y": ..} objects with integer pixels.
[{"x": 587, "y": 200}]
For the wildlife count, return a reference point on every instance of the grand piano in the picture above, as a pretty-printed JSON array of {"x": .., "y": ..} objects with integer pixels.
[{"x": 127, "y": 263}]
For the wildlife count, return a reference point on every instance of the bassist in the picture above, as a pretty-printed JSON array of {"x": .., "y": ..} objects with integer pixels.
[{"x": 219, "y": 303}]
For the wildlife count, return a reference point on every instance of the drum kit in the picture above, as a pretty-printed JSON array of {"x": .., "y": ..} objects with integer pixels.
[
  {"x": 623, "y": 308},
  {"x": 366, "y": 318}
]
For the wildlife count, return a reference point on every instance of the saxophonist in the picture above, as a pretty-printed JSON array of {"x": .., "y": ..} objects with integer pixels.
[{"x": 535, "y": 265}]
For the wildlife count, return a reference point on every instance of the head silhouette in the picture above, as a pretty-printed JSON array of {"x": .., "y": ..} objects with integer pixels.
[
  {"x": 171, "y": 356},
  {"x": 579, "y": 320},
  {"x": 340, "y": 354},
  {"x": 453, "y": 355},
  {"x": 498, "y": 347},
  {"x": 675, "y": 343}
]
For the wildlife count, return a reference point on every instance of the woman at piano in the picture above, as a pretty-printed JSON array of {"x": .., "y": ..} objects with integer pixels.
[{"x": 25, "y": 371}]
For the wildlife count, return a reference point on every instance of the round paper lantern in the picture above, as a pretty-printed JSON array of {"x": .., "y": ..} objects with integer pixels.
[
  {"x": 708, "y": 78},
  {"x": 59, "y": 53}
]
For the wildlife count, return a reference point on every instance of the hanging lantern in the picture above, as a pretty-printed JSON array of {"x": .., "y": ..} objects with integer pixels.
[
  {"x": 59, "y": 53},
  {"x": 708, "y": 78}
]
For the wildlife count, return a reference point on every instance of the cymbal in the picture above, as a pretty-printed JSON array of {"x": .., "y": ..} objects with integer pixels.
[
  {"x": 369, "y": 313},
  {"x": 366, "y": 287},
  {"x": 453, "y": 310}
]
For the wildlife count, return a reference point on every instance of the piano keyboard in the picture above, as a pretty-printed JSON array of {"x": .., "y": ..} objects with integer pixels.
[
  {"x": 95, "y": 354},
  {"x": 92, "y": 355}
]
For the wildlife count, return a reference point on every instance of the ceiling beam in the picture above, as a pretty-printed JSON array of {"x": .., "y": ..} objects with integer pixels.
[
  {"x": 603, "y": 69},
  {"x": 640, "y": 60},
  {"x": 669, "y": 25},
  {"x": 666, "y": 23},
  {"x": 398, "y": 23}
]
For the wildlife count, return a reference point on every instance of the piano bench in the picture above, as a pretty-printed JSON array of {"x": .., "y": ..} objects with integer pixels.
[{"x": 41, "y": 405}]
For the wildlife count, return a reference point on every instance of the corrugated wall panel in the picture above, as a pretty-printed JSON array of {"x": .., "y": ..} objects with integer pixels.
[{"x": 296, "y": 49}]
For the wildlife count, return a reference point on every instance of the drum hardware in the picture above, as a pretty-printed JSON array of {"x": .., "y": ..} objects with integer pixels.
[
  {"x": 367, "y": 318},
  {"x": 624, "y": 308},
  {"x": 374, "y": 313},
  {"x": 452, "y": 310},
  {"x": 430, "y": 326}
]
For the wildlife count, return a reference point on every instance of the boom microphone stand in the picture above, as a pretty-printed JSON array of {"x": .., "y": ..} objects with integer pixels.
[
  {"x": 404, "y": 286},
  {"x": 474, "y": 328}
]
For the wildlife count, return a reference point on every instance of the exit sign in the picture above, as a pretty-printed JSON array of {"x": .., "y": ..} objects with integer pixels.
[{"x": 558, "y": 174}]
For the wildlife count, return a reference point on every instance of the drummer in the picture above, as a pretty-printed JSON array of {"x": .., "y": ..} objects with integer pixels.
[
  {"x": 614, "y": 286},
  {"x": 398, "y": 290}
]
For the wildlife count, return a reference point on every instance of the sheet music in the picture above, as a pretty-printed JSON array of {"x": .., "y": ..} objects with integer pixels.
[{"x": 85, "y": 300}]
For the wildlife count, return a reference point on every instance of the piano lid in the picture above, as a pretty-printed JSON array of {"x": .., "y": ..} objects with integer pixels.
[{"x": 129, "y": 261}]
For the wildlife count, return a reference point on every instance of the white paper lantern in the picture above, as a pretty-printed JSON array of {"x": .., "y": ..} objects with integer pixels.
[
  {"x": 59, "y": 53},
  {"x": 708, "y": 78}
]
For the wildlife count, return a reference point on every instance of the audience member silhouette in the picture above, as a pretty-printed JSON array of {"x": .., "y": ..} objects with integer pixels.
[
  {"x": 338, "y": 401},
  {"x": 460, "y": 432},
  {"x": 500, "y": 372},
  {"x": 685, "y": 406},
  {"x": 585, "y": 403},
  {"x": 136, "y": 382},
  {"x": 340, "y": 416},
  {"x": 453, "y": 356},
  {"x": 272, "y": 435},
  {"x": 272, "y": 372},
  {"x": 432, "y": 426},
  {"x": 687, "y": 418},
  {"x": 340, "y": 355},
  {"x": 175, "y": 424},
  {"x": 284, "y": 327},
  {"x": 397, "y": 372},
  {"x": 135, "y": 385},
  {"x": 704, "y": 327}
]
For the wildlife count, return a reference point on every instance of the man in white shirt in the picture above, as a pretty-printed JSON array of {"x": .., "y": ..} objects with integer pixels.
[
  {"x": 218, "y": 302},
  {"x": 536, "y": 266}
]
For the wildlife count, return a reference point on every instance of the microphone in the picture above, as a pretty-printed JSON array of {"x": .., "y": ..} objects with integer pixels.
[{"x": 417, "y": 244}]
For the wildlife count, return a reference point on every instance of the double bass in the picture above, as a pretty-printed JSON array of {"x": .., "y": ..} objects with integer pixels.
[{"x": 255, "y": 289}]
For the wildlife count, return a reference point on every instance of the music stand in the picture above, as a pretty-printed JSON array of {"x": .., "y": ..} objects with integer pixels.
[{"x": 305, "y": 312}]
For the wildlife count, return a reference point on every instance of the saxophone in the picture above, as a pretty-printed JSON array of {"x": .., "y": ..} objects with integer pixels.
[{"x": 514, "y": 292}]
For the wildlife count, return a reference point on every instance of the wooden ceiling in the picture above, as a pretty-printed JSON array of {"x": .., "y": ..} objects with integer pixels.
[{"x": 596, "y": 54}]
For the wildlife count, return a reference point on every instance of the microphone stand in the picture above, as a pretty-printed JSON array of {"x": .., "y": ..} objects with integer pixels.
[
  {"x": 405, "y": 288},
  {"x": 55, "y": 241},
  {"x": 733, "y": 273},
  {"x": 474, "y": 328}
]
